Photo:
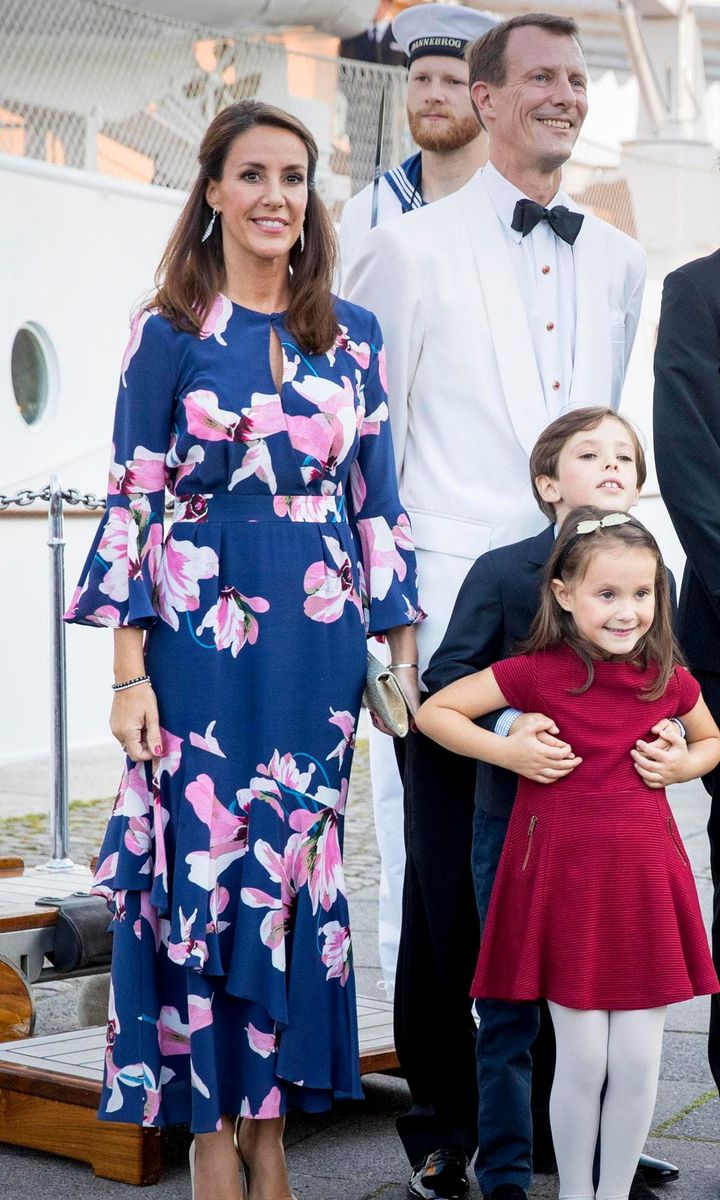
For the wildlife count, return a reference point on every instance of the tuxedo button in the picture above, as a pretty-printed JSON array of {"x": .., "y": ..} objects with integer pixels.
[
  {"x": 550, "y": 326},
  {"x": 556, "y": 385},
  {"x": 546, "y": 270}
]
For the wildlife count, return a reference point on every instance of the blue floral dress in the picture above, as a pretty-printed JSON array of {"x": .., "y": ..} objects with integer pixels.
[{"x": 232, "y": 985}]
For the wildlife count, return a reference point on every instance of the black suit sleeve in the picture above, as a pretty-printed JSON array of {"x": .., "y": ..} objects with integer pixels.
[
  {"x": 473, "y": 639},
  {"x": 687, "y": 421}
]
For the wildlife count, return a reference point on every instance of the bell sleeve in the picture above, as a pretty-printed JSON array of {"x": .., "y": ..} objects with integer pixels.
[
  {"x": 117, "y": 582},
  {"x": 382, "y": 527}
]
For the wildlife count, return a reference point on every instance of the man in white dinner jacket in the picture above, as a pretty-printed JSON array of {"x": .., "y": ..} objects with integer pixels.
[
  {"x": 501, "y": 306},
  {"x": 452, "y": 145}
]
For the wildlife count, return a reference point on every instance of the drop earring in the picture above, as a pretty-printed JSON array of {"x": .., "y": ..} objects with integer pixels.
[
  {"x": 209, "y": 229},
  {"x": 302, "y": 239}
]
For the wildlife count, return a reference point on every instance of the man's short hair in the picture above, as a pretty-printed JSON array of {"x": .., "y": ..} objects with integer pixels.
[
  {"x": 486, "y": 56},
  {"x": 546, "y": 451}
]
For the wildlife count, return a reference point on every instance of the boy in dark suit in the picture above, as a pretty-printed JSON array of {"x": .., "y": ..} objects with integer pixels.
[{"x": 587, "y": 456}]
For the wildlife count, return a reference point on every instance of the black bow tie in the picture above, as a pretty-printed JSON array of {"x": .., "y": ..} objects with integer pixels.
[{"x": 562, "y": 221}]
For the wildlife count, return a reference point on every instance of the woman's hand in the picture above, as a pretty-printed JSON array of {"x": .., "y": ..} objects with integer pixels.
[
  {"x": 135, "y": 723},
  {"x": 664, "y": 761}
]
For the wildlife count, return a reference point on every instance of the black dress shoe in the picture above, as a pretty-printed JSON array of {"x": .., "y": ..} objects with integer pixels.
[
  {"x": 506, "y": 1191},
  {"x": 639, "y": 1189},
  {"x": 440, "y": 1175},
  {"x": 656, "y": 1171}
]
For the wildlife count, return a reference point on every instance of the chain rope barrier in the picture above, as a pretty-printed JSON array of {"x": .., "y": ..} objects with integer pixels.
[{"x": 25, "y": 497}]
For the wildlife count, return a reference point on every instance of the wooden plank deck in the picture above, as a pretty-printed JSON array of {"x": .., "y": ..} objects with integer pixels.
[
  {"x": 19, "y": 893},
  {"x": 50, "y": 1089}
]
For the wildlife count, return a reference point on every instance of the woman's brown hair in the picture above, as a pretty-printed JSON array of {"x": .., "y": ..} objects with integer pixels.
[
  {"x": 192, "y": 271},
  {"x": 569, "y": 562}
]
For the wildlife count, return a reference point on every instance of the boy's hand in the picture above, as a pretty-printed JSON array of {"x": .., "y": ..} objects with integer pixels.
[
  {"x": 535, "y": 751},
  {"x": 664, "y": 761}
]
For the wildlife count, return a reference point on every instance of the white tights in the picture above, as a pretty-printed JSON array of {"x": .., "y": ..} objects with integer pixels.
[{"x": 625, "y": 1047}]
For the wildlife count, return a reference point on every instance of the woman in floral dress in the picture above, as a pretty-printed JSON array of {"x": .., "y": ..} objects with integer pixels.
[{"x": 259, "y": 400}]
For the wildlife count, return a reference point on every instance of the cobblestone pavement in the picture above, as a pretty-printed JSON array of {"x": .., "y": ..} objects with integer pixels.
[{"x": 29, "y": 836}]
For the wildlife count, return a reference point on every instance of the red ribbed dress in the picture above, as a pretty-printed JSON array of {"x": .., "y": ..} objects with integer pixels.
[{"x": 594, "y": 904}]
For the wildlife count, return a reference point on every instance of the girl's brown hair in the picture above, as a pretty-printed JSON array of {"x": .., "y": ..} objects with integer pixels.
[
  {"x": 192, "y": 271},
  {"x": 569, "y": 562}
]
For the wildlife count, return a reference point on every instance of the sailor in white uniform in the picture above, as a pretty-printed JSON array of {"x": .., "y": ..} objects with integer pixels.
[{"x": 453, "y": 147}]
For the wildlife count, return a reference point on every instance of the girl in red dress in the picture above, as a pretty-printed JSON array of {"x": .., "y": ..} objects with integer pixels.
[{"x": 594, "y": 905}]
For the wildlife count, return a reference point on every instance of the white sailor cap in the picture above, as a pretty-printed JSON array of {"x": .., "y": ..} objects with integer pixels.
[{"x": 439, "y": 29}]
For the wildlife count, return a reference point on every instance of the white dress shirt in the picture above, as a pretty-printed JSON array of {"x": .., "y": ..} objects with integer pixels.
[{"x": 545, "y": 272}]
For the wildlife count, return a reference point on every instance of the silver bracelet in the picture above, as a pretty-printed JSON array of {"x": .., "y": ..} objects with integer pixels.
[
  {"x": 396, "y": 666},
  {"x": 120, "y": 687}
]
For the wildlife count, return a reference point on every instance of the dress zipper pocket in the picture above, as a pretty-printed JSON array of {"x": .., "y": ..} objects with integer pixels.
[
  {"x": 679, "y": 848},
  {"x": 530, "y": 834}
]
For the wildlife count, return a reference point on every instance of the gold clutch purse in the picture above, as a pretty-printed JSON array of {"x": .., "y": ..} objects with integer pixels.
[{"x": 384, "y": 696}]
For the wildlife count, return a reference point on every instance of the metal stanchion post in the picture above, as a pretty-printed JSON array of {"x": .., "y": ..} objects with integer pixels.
[{"x": 60, "y": 859}]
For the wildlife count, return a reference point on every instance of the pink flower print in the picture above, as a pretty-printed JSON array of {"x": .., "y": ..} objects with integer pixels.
[
  {"x": 304, "y": 508},
  {"x": 263, "y": 1044},
  {"x": 173, "y": 1034},
  {"x": 113, "y": 548},
  {"x": 104, "y": 872},
  {"x": 290, "y": 366},
  {"x": 256, "y": 461},
  {"x": 232, "y": 620},
  {"x": 337, "y": 406},
  {"x": 372, "y": 421},
  {"x": 178, "y": 467},
  {"x": 208, "y": 741},
  {"x": 106, "y": 614},
  {"x": 357, "y": 486},
  {"x": 177, "y": 588},
  {"x": 360, "y": 351},
  {"x": 138, "y": 840},
  {"x": 218, "y": 902},
  {"x": 136, "y": 331},
  {"x": 145, "y": 472},
  {"x": 285, "y": 770},
  {"x": 269, "y": 1108},
  {"x": 205, "y": 418},
  {"x": 321, "y": 850},
  {"x": 171, "y": 755},
  {"x": 262, "y": 418},
  {"x": 216, "y": 319},
  {"x": 337, "y": 951},
  {"x": 402, "y": 534},
  {"x": 148, "y": 913},
  {"x": 160, "y": 818},
  {"x": 199, "y": 1012},
  {"x": 345, "y": 722},
  {"x": 261, "y": 789},
  {"x": 153, "y": 1092},
  {"x": 382, "y": 561},
  {"x": 328, "y": 589},
  {"x": 132, "y": 798},
  {"x": 228, "y": 834},
  {"x": 282, "y": 869},
  {"x": 382, "y": 369},
  {"x": 189, "y": 947}
]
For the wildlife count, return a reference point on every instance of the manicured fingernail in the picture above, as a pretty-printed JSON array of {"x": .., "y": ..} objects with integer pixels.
[{"x": 157, "y": 751}]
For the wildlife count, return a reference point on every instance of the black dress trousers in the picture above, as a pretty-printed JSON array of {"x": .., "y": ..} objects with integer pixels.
[{"x": 434, "y": 1027}]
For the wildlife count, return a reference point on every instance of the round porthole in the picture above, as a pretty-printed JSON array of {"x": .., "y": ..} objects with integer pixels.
[{"x": 33, "y": 368}]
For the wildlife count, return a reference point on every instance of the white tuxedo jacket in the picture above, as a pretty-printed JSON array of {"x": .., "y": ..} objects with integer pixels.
[{"x": 465, "y": 396}]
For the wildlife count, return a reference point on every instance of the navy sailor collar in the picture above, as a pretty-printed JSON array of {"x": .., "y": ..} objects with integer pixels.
[{"x": 406, "y": 182}]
